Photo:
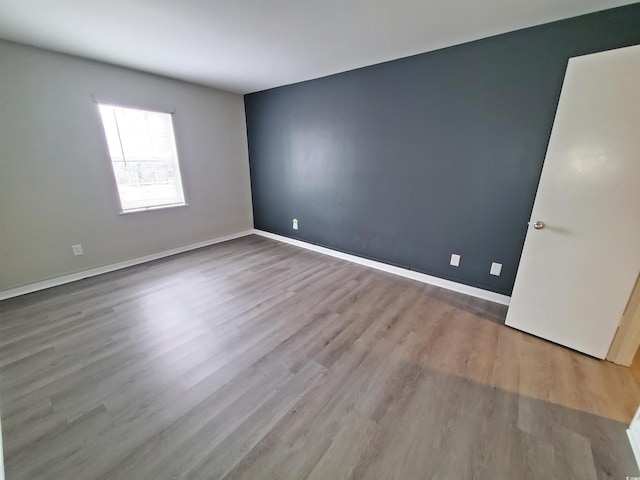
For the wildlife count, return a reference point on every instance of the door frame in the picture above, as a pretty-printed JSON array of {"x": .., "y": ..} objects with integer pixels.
[{"x": 627, "y": 338}]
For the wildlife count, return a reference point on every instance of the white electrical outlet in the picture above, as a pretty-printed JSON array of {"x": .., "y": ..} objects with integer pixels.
[
  {"x": 77, "y": 250},
  {"x": 496, "y": 269},
  {"x": 295, "y": 224},
  {"x": 455, "y": 260}
]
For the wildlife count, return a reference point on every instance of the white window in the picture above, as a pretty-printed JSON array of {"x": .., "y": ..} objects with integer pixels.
[{"x": 144, "y": 159}]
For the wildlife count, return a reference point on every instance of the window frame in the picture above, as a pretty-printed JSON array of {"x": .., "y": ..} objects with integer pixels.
[{"x": 180, "y": 177}]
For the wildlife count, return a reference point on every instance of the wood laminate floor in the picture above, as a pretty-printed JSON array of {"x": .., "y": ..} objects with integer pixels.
[{"x": 257, "y": 360}]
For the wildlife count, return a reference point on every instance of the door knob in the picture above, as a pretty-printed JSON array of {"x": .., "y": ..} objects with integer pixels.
[{"x": 539, "y": 225}]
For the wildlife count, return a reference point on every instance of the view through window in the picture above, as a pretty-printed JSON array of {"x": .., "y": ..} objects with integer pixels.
[{"x": 144, "y": 159}]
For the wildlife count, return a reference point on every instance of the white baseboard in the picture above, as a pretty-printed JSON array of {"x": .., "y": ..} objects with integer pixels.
[
  {"x": 53, "y": 282},
  {"x": 1, "y": 457},
  {"x": 403, "y": 272},
  {"x": 633, "y": 432}
]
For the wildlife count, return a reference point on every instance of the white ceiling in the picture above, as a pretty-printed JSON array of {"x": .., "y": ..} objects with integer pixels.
[{"x": 250, "y": 45}]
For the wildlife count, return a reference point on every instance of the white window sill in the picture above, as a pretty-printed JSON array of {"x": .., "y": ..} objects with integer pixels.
[{"x": 159, "y": 207}]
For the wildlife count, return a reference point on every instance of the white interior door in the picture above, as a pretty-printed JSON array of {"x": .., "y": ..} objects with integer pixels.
[{"x": 577, "y": 272}]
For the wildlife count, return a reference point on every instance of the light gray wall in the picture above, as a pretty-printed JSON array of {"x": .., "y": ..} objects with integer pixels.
[{"x": 56, "y": 185}]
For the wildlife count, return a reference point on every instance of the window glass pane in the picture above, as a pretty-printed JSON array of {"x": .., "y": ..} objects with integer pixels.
[{"x": 143, "y": 154}]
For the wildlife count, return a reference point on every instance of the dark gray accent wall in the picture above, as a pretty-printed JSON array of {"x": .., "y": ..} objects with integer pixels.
[{"x": 411, "y": 160}]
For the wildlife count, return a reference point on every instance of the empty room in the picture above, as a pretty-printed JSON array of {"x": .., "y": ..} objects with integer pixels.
[{"x": 289, "y": 240}]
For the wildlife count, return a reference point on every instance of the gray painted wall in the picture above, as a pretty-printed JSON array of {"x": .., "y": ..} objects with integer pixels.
[
  {"x": 409, "y": 161},
  {"x": 56, "y": 186}
]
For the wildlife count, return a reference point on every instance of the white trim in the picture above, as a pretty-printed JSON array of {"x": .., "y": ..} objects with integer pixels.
[
  {"x": 632, "y": 433},
  {"x": 155, "y": 207},
  {"x": 34, "y": 287},
  {"x": 403, "y": 272},
  {"x": 1, "y": 457},
  {"x": 136, "y": 104}
]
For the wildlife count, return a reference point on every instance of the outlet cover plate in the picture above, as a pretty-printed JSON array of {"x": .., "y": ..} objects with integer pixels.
[{"x": 496, "y": 269}]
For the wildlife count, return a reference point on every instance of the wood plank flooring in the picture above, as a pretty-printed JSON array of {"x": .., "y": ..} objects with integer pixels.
[{"x": 257, "y": 360}]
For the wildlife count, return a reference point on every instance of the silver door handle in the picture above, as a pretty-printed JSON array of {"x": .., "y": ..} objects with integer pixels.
[{"x": 539, "y": 225}]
